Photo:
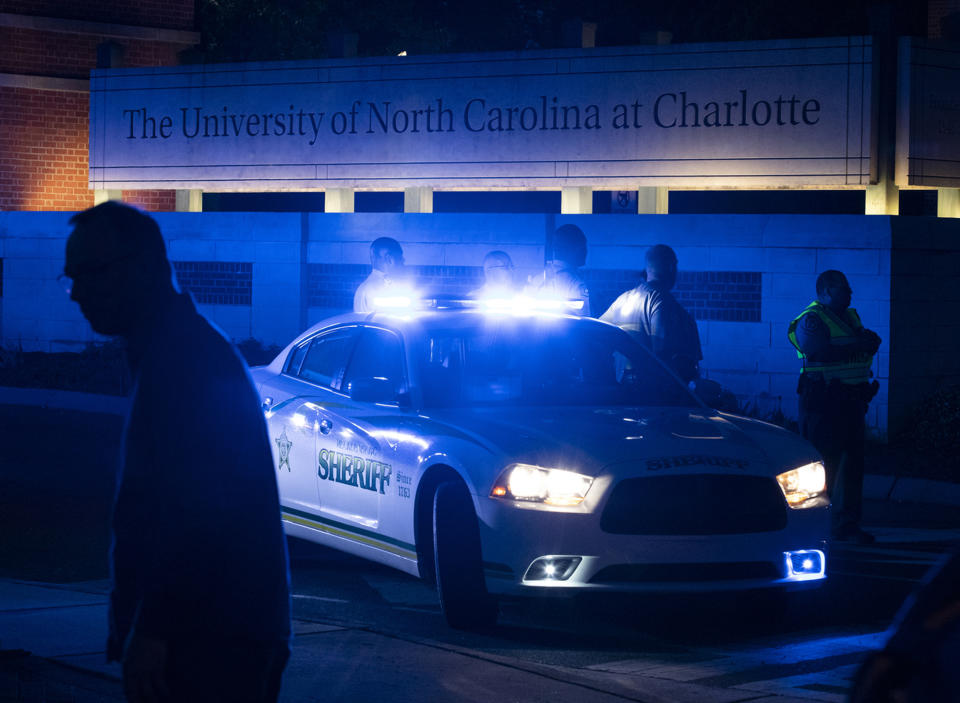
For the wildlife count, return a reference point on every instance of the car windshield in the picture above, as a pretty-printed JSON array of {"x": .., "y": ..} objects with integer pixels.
[{"x": 542, "y": 361}]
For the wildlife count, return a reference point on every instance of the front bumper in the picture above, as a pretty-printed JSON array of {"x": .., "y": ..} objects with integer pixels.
[{"x": 514, "y": 537}]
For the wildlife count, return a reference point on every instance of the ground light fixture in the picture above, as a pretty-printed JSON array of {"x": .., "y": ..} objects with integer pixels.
[
  {"x": 552, "y": 568},
  {"x": 805, "y": 565}
]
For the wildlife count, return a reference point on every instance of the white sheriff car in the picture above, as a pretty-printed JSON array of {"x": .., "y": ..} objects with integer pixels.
[{"x": 505, "y": 454}]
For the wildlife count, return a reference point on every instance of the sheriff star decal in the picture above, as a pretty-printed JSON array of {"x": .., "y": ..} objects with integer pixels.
[{"x": 283, "y": 444}]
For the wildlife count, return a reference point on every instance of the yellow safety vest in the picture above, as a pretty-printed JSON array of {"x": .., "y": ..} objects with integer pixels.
[{"x": 843, "y": 330}]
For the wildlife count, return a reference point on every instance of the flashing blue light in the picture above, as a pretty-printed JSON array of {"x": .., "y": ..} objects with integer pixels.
[
  {"x": 398, "y": 299},
  {"x": 524, "y": 305},
  {"x": 805, "y": 565}
]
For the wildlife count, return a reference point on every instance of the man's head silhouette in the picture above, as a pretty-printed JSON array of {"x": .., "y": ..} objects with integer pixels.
[
  {"x": 116, "y": 267},
  {"x": 662, "y": 265},
  {"x": 386, "y": 255},
  {"x": 570, "y": 246}
]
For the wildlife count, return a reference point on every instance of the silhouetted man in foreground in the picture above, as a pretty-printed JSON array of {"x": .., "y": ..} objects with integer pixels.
[
  {"x": 200, "y": 604},
  {"x": 654, "y": 317},
  {"x": 835, "y": 390}
]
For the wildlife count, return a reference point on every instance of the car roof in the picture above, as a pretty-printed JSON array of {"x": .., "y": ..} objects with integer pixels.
[{"x": 412, "y": 324}]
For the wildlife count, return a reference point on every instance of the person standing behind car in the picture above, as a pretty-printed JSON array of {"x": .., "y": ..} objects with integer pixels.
[
  {"x": 497, "y": 277},
  {"x": 561, "y": 279},
  {"x": 386, "y": 258},
  {"x": 200, "y": 605},
  {"x": 656, "y": 319},
  {"x": 835, "y": 390}
]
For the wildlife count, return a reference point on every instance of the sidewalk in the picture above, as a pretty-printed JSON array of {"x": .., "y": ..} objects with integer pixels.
[
  {"x": 52, "y": 650},
  {"x": 875, "y": 486}
]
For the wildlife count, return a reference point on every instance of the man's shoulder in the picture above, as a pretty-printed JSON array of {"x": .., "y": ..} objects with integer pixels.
[
  {"x": 195, "y": 350},
  {"x": 810, "y": 322}
]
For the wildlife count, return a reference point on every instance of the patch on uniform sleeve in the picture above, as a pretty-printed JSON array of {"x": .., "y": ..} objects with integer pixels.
[{"x": 811, "y": 322}]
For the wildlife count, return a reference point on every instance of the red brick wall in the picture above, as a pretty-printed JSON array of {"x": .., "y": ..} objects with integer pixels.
[
  {"x": 72, "y": 55},
  {"x": 43, "y": 150},
  {"x": 44, "y": 137},
  {"x": 152, "y": 200},
  {"x": 44, "y": 154},
  {"x": 168, "y": 14}
]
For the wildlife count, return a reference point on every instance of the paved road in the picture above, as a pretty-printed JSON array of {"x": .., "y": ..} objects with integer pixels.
[
  {"x": 741, "y": 644},
  {"x": 55, "y": 477}
]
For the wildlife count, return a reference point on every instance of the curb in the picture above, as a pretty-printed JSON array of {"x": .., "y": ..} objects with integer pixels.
[
  {"x": 875, "y": 486},
  {"x": 910, "y": 490}
]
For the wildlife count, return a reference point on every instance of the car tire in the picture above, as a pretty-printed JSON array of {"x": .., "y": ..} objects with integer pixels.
[{"x": 464, "y": 600}]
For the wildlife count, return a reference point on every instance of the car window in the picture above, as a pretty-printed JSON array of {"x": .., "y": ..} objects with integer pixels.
[
  {"x": 511, "y": 363},
  {"x": 378, "y": 355},
  {"x": 327, "y": 356},
  {"x": 296, "y": 358}
]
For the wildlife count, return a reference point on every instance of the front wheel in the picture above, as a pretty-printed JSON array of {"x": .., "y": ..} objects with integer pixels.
[{"x": 463, "y": 594}]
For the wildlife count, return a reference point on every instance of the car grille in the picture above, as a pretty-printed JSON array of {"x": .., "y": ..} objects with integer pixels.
[
  {"x": 724, "y": 571},
  {"x": 694, "y": 505}
]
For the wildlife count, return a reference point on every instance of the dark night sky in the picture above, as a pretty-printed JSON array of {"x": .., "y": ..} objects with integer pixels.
[{"x": 240, "y": 30}]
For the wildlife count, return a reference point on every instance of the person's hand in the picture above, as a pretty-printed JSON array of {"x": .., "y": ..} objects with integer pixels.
[{"x": 144, "y": 670}]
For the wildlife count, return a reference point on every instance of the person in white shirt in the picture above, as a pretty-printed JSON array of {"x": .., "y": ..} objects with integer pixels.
[{"x": 386, "y": 257}]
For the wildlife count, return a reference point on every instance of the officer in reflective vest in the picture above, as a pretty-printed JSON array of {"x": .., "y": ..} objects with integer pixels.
[{"x": 835, "y": 389}]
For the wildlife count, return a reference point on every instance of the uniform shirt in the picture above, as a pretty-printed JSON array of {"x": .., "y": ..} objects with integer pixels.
[
  {"x": 813, "y": 338},
  {"x": 560, "y": 281},
  {"x": 198, "y": 548},
  {"x": 657, "y": 320}
]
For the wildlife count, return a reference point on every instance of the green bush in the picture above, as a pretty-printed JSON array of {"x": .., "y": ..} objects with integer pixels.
[{"x": 99, "y": 368}]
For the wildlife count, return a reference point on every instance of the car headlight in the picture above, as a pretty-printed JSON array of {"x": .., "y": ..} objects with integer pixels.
[
  {"x": 536, "y": 484},
  {"x": 805, "y": 487}
]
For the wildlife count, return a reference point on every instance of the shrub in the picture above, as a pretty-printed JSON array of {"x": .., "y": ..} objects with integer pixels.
[
  {"x": 932, "y": 435},
  {"x": 99, "y": 368}
]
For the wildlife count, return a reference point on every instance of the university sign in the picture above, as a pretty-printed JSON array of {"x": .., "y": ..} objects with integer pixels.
[
  {"x": 757, "y": 114},
  {"x": 928, "y": 115}
]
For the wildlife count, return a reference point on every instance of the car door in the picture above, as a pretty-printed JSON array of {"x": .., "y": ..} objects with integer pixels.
[
  {"x": 294, "y": 415},
  {"x": 359, "y": 454}
]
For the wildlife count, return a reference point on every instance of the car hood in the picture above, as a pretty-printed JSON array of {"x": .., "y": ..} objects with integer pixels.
[{"x": 645, "y": 439}]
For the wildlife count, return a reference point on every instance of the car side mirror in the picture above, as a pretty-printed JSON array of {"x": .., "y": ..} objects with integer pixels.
[{"x": 372, "y": 390}]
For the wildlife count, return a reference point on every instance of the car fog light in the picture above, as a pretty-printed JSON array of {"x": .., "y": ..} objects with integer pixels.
[
  {"x": 805, "y": 564},
  {"x": 552, "y": 569}
]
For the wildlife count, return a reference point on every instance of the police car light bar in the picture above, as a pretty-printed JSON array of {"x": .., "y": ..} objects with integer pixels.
[{"x": 518, "y": 305}]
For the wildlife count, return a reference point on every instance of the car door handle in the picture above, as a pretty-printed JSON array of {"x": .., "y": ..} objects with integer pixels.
[{"x": 325, "y": 426}]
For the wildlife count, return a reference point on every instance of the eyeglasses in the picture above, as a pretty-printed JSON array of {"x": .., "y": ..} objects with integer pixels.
[{"x": 67, "y": 281}]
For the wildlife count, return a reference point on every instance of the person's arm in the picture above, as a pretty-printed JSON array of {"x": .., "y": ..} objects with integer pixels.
[
  {"x": 659, "y": 325},
  {"x": 360, "y": 298},
  {"x": 813, "y": 338}
]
